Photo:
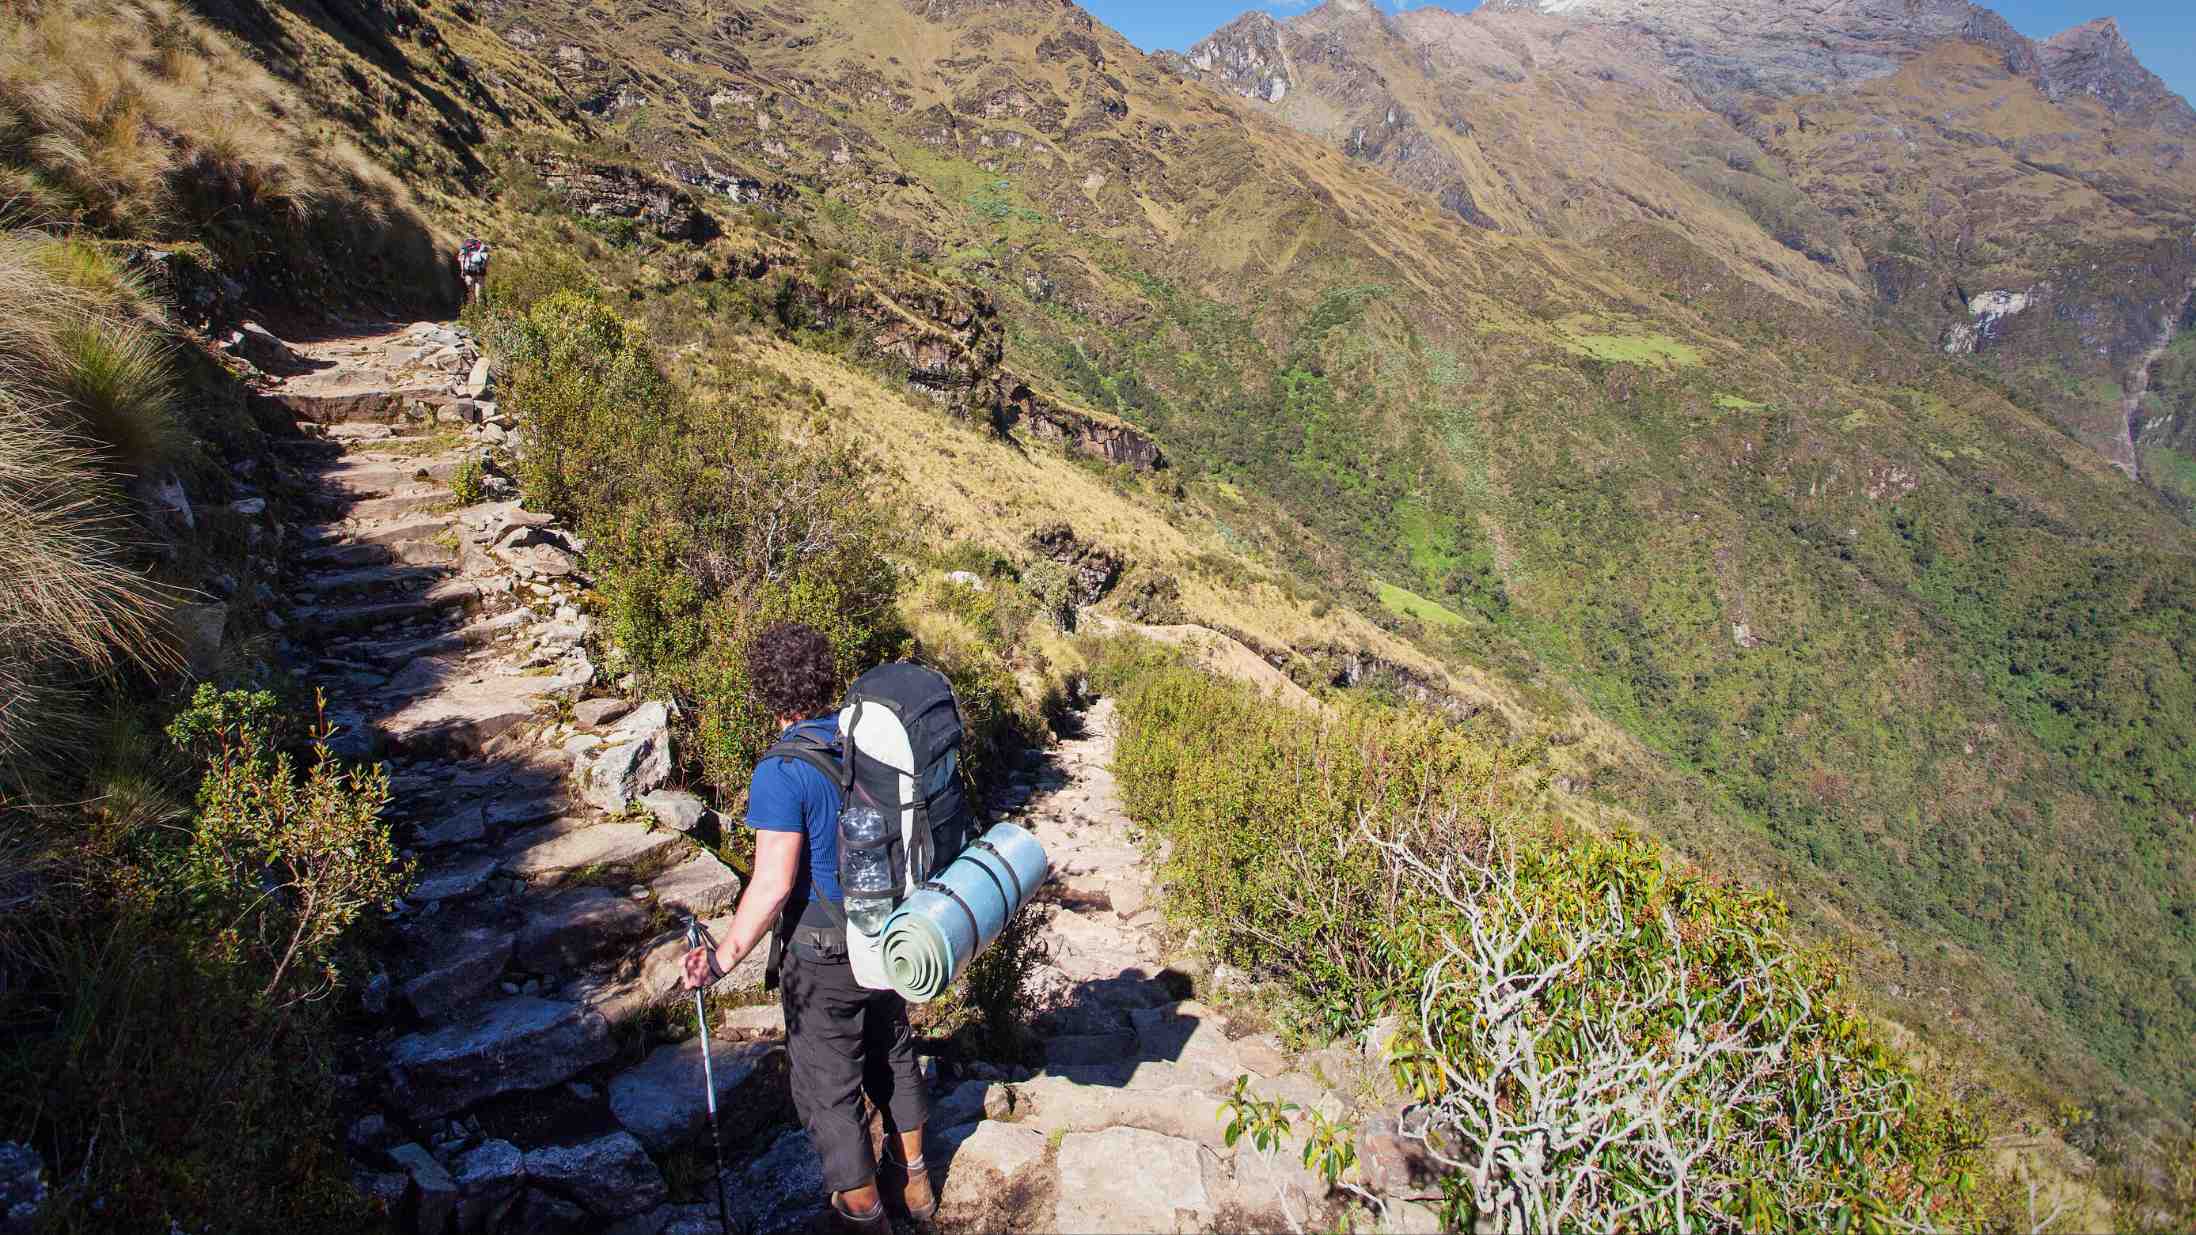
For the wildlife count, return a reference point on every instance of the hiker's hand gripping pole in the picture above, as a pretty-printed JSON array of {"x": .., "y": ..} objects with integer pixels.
[{"x": 698, "y": 936}]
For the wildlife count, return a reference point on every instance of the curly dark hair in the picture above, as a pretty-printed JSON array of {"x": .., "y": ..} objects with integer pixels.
[{"x": 793, "y": 670}]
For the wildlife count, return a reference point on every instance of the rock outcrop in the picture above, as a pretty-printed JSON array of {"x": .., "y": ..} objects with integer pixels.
[{"x": 611, "y": 191}]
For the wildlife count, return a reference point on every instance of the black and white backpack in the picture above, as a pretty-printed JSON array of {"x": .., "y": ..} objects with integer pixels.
[{"x": 899, "y": 751}]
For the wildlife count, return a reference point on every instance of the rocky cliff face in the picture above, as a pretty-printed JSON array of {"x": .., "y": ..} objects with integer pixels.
[{"x": 2095, "y": 60}]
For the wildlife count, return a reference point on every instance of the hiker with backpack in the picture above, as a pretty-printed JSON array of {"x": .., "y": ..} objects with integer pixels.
[
  {"x": 473, "y": 267},
  {"x": 824, "y": 803}
]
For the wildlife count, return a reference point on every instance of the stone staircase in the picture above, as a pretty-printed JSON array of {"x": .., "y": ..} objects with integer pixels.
[{"x": 530, "y": 1065}]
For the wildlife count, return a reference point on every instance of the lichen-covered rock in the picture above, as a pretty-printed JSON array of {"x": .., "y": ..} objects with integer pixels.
[
  {"x": 634, "y": 760},
  {"x": 508, "y": 1046},
  {"x": 489, "y": 1178},
  {"x": 610, "y": 1177},
  {"x": 1128, "y": 1180},
  {"x": 22, "y": 1187},
  {"x": 661, "y": 1102}
]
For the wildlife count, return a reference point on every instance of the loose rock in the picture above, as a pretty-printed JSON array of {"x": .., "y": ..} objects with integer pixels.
[{"x": 610, "y": 1177}]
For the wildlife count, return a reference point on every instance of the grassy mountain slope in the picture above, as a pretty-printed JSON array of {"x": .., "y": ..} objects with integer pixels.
[
  {"x": 1902, "y": 162},
  {"x": 1822, "y": 608},
  {"x": 1818, "y": 568}
]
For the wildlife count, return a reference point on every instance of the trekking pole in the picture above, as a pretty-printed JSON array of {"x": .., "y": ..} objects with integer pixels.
[{"x": 698, "y": 936}]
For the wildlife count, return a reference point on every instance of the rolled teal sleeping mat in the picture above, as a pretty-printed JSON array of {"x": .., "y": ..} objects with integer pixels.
[{"x": 933, "y": 935}]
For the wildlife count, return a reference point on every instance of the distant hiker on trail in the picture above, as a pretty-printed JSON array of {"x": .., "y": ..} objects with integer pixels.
[
  {"x": 473, "y": 267},
  {"x": 842, "y": 1039}
]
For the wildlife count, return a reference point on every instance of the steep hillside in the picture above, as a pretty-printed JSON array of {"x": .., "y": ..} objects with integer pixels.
[
  {"x": 1897, "y": 645},
  {"x": 1624, "y": 455},
  {"x": 2027, "y": 203}
]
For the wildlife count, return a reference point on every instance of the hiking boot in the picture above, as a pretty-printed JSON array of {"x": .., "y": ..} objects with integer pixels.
[{"x": 872, "y": 1223}]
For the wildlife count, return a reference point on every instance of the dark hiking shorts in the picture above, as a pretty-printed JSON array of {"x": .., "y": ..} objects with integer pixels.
[{"x": 843, "y": 1040}]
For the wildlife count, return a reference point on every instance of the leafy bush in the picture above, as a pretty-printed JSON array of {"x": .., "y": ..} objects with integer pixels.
[
  {"x": 170, "y": 1034},
  {"x": 468, "y": 484},
  {"x": 1592, "y": 1038},
  {"x": 282, "y": 861},
  {"x": 705, "y": 521}
]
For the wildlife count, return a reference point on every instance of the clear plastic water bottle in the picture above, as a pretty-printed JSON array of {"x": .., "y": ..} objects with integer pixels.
[{"x": 865, "y": 868}]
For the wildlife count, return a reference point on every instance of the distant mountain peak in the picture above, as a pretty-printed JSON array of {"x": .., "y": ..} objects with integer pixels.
[{"x": 2095, "y": 59}]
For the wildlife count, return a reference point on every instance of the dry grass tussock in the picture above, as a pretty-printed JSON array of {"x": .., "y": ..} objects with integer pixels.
[
  {"x": 85, "y": 394},
  {"x": 133, "y": 119}
]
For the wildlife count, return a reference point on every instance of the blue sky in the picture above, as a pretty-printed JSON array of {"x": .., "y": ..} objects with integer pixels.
[{"x": 2163, "y": 31}]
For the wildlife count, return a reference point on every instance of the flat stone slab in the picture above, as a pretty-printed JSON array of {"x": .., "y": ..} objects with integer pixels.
[
  {"x": 572, "y": 930},
  {"x": 594, "y": 713},
  {"x": 557, "y": 849},
  {"x": 1059, "y": 1106},
  {"x": 457, "y": 877},
  {"x": 462, "y": 968},
  {"x": 781, "y": 1190},
  {"x": 702, "y": 886},
  {"x": 509, "y": 1046},
  {"x": 610, "y": 1177},
  {"x": 1189, "y": 1034},
  {"x": 990, "y": 1153},
  {"x": 1126, "y": 1181},
  {"x": 463, "y": 715},
  {"x": 661, "y": 1101}
]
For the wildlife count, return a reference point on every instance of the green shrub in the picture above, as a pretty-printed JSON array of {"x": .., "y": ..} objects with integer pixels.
[
  {"x": 592, "y": 397},
  {"x": 1581, "y": 1026},
  {"x": 281, "y": 861},
  {"x": 705, "y": 520},
  {"x": 468, "y": 484},
  {"x": 170, "y": 1030}
]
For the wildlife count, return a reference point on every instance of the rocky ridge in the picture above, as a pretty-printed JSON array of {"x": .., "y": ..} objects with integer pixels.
[{"x": 529, "y": 1069}]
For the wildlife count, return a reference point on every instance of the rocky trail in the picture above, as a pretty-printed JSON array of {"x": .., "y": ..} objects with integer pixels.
[{"x": 529, "y": 1064}]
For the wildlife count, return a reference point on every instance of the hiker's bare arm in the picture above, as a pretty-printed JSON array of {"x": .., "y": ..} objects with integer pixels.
[{"x": 777, "y": 862}]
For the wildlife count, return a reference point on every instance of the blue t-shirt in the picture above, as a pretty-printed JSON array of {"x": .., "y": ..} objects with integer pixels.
[{"x": 788, "y": 795}]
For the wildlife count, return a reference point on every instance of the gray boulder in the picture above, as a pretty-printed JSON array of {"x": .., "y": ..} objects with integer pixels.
[
  {"x": 610, "y": 1177},
  {"x": 676, "y": 809},
  {"x": 489, "y": 1179},
  {"x": 434, "y": 1193},
  {"x": 458, "y": 971},
  {"x": 509, "y": 1046},
  {"x": 22, "y": 1187},
  {"x": 661, "y": 1101},
  {"x": 574, "y": 929},
  {"x": 782, "y": 1190},
  {"x": 635, "y": 759}
]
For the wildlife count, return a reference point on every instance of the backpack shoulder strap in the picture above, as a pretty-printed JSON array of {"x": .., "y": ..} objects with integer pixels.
[{"x": 803, "y": 748}]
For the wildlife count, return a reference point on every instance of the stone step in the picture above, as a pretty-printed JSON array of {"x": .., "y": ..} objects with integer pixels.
[
  {"x": 398, "y": 504},
  {"x": 662, "y": 1100},
  {"x": 374, "y": 476},
  {"x": 375, "y": 404},
  {"x": 387, "y": 580},
  {"x": 463, "y": 716},
  {"x": 334, "y": 536},
  {"x": 472, "y": 635},
  {"x": 324, "y": 620},
  {"x": 509, "y": 1046},
  {"x": 353, "y": 555}
]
